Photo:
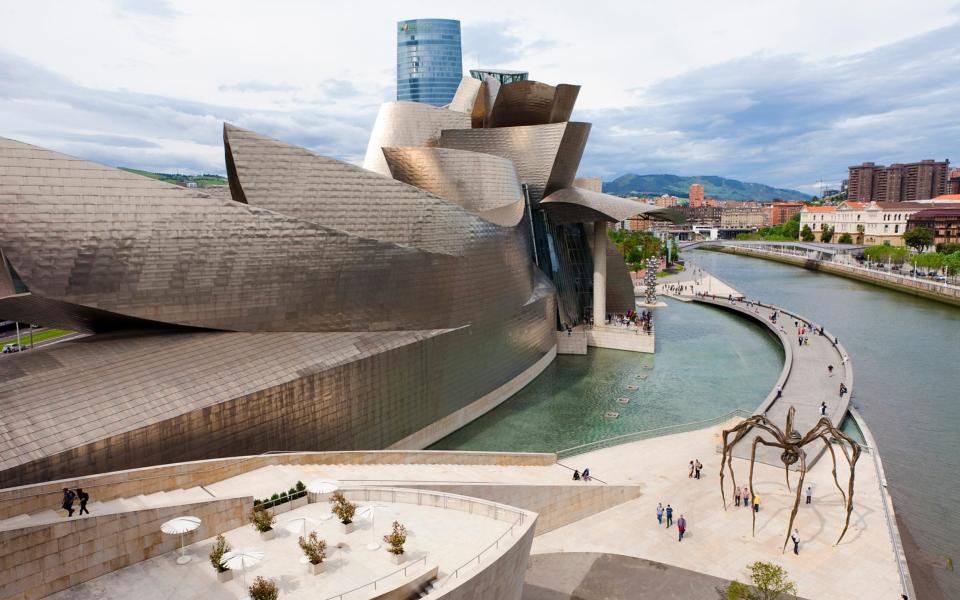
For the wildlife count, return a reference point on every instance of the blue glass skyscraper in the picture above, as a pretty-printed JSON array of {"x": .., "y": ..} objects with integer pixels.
[{"x": 429, "y": 60}]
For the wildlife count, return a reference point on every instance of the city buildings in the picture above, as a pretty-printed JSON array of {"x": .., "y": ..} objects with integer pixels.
[
  {"x": 780, "y": 212},
  {"x": 319, "y": 306},
  {"x": 898, "y": 182},
  {"x": 429, "y": 60},
  {"x": 701, "y": 216},
  {"x": 867, "y": 222},
  {"x": 696, "y": 195},
  {"x": 944, "y": 223},
  {"x": 666, "y": 201},
  {"x": 742, "y": 216},
  {"x": 953, "y": 182}
]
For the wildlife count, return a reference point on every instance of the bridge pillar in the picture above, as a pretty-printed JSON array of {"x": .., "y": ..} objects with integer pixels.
[{"x": 599, "y": 272}]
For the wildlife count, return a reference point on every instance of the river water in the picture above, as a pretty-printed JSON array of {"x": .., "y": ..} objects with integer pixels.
[{"x": 905, "y": 356}]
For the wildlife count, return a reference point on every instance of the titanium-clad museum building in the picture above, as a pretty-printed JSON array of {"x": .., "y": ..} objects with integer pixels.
[{"x": 321, "y": 306}]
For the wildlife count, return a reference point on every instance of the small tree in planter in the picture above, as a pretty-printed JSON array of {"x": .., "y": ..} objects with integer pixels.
[
  {"x": 301, "y": 489},
  {"x": 315, "y": 550},
  {"x": 263, "y": 522},
  {"x": 344, "y": 509},
  {"x": 397, "y": 538},
  {"x": 220, "y": 547},
  {"x": 264, "y": 589}
]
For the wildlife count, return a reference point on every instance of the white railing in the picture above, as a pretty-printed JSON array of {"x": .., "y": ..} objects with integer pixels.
[{"x": 441, "y": 500}]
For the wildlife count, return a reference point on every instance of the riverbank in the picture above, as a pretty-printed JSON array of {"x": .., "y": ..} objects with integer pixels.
[{"x": 923, "y": 289}]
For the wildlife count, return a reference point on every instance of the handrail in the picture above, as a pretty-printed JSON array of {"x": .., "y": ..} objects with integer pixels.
[
  {"x": 379, "y": 579},
  {"x": 647, "y": 433},
  {"x": 420, "y": 493}
]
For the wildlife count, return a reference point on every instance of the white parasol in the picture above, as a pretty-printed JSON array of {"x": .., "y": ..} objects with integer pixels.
[
  {"x": 180, "y": 526},
  {"x": 323, "y": 486},
  {"x": 242, "y": 558},
  {"x": 369, "y": 512},
  {"x": 299, "y": 525}
]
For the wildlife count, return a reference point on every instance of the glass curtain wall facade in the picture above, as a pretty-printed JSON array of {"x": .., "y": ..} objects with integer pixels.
[
  {"x": 504, "y": 77},
  {"x": 429, "y": 60}
]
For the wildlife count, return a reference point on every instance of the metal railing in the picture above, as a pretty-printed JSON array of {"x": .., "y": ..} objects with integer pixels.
[
  {"x": 374, "y": 583},
  {"x": 498, "y": 510},
  {"x": 650, "y": 433}
]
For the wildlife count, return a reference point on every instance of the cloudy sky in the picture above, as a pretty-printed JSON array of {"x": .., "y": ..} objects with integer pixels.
[{"x": 781, "y": 92}]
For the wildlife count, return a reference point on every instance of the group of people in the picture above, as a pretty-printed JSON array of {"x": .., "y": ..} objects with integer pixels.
[
  {"x": 69, "y": 496},
  {"x": 695, "y": 466},
  {"x": 741, "y": 497},
  {"x": 667, "y": 513},
  {"x": 643, "y": 320},
  {"x": 578, "y": 476}
]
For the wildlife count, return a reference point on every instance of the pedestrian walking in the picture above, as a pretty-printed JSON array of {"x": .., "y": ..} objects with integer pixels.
[
  {"x": 586, "y": 474},
  {"x": 681, "y": 527},
  {"x": 659, "y": 514},
  {"x": 823, "y": 409},
  {"x": 779, "y": 394},
  {"x": 697, "y": 466},
  {"x": 796, "y": 541},
  {"x": 83, "y": 497},
  {"x": 756, "y": 503},
  {"x": 576, "y": 475},
  {"x": 843, "y": 389},
  {"x": 669, "y": 512},
  {"x": 809, "y": 494},
  {"x": 736, "y": 497},
  {"x": 68, "y": 497},
  {"x": 830, "y": 370},
  {"x": 746, "y": 497},
  {"x": 690, "y": 474}
]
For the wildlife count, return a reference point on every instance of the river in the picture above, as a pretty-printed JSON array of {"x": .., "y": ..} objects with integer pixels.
[{"x": 708, "y": 361}]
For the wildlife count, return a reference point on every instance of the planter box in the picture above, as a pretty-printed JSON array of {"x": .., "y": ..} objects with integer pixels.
[
  {"x": 302, "y": 501},
  {"x": 348, "y": 527},
  {"x": 398, "y": 559},
  {"x": 268, "y": 535},
  {"x": 280, "y": 508},
  {"x": 316, "y": 569},
  {"x": 224, "y": 576}
]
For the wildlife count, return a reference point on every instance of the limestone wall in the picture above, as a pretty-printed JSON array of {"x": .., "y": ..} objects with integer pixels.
[
  {"x": 133, "y": 482},
  {"x": 40, "y": 560},
  {"x": 620, "y": 339}
]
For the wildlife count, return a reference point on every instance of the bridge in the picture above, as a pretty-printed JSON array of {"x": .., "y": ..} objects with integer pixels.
[{"x": 813, "y": 250}]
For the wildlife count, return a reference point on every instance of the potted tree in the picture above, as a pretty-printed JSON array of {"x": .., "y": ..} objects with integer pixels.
[
  {"x": 298, "y": 496},
  {"x": 263, "y": 522},
  {"x": 344, "y": 509},
  {"x": 263, "y": 589},
  {"x": 220, "y": 547},
  {"x": 315, "y": 550},
  {"x": 397, "y": 538}
]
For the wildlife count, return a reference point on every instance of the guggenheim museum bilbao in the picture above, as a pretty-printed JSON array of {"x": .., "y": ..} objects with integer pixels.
[{"x": 321, "y": 306}]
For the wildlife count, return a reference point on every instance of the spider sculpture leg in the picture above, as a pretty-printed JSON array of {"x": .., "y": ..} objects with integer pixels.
[
  {"x": 741, "y": 430},
  {"x": 753, "y": 459},
  {"x": 824, "y": 426},
  {"x": 833, "y": 457},
  {"x": 796, "y": 502}
]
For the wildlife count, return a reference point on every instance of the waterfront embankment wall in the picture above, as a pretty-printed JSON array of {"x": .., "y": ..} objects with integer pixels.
[{"x": 924, "y": 289}]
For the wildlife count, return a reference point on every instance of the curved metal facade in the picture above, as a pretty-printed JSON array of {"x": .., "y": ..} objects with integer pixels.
[
  {"x": 401, "y": 124},
  {"x": 577, "y": 205},
  {"x": 483, "y": 184},
  {"x": 533, "y": 103},
  {"x": 546, "y": 156}
]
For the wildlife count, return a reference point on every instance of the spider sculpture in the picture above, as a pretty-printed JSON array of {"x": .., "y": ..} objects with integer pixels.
[{"x": 791, "y": 442}]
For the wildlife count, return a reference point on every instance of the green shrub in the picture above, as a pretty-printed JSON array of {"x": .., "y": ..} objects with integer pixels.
[
  {"x": 220, "y": 547},
  {"x": 301, "y": 487},
  {"x": 262, "y": 520}
]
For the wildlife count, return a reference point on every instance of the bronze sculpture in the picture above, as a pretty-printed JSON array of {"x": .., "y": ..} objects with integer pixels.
[{"x": 792, "y": 444}]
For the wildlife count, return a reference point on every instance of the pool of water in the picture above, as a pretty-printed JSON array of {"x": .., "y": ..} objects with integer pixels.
[{"x": 708, "y": 362}]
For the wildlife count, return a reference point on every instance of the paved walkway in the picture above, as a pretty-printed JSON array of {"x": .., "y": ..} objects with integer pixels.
[
  {"x": 596, "y": 576},
  {"x": 694, "y": 281},
  {"x": 719, "y": 543},
  {"x": 807, "y": 383}
]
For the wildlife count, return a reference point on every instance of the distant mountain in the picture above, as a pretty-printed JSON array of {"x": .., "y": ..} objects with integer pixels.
[
  {"x": 713, "y": 187},
  {"x": 178, "y": 179}
]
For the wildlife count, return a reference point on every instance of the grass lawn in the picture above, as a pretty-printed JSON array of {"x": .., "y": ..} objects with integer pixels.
[{"x": 38, "y": 336}]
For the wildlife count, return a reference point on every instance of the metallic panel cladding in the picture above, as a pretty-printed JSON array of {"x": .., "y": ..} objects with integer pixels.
[
  {"x": 533, "y": 103},
  {"x": 403, "y": 124},
  {"x": 578, "y": 205},
  {"x": 483, "y": 184},
  {"x": 546, "y": 156}
]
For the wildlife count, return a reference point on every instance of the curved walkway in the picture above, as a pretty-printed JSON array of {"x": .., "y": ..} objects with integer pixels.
[{"x": 805, "y": 381}]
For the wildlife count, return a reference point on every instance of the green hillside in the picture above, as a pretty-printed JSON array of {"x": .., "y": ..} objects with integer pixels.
[
  {"x": 713, "y": 186},
  {"x": 178, "y": 179}
]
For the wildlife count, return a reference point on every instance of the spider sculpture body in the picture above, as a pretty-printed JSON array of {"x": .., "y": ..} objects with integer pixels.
[{"x": 791, "y": 443}]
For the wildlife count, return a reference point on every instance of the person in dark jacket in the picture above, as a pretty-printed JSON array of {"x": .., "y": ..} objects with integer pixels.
[
  {"x": 681, "y": 527},
  {"x": 83, "y": 497},
  {"x": 68, "y": 497}
]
